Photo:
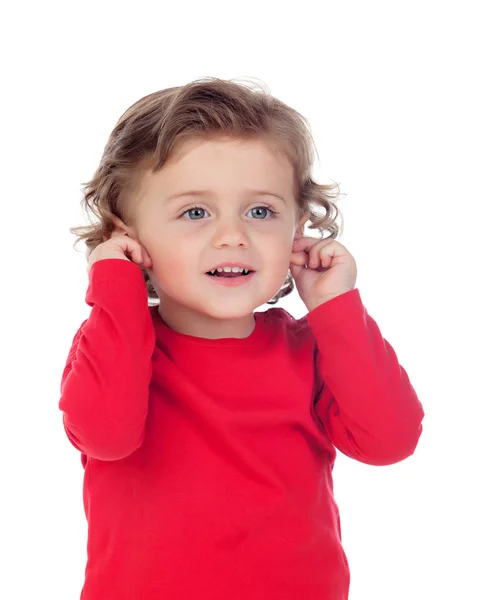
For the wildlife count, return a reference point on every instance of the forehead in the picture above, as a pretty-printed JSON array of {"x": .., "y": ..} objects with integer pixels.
[
  {"x": 207, "y": 147},
  {"x": 225, "y": 161},
  {"x": 218, "y": 162}
]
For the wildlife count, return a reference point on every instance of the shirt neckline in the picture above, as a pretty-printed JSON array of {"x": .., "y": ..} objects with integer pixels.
[{"x": 169, "y": 334}]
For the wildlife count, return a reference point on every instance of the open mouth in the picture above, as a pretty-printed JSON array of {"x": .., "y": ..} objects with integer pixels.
[{"x": 229, "y": 275}]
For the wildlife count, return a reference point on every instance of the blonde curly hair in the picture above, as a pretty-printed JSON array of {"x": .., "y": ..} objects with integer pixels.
[{"x": 156, "y": 125}]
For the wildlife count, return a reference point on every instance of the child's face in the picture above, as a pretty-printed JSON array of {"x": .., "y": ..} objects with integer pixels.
[{"x": 184, "y": 244}]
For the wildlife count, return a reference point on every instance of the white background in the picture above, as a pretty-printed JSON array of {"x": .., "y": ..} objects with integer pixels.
[{"x": 393, "y": 92}]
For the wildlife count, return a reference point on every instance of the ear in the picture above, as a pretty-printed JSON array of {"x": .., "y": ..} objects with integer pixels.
[
  {"x": 299, "y": 232},
  {"x": 121, "y": 227}
]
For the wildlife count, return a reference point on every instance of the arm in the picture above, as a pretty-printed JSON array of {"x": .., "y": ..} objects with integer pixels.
[
  {"x": 366, "y": 404},
  {"x": 105, "y": 383}
]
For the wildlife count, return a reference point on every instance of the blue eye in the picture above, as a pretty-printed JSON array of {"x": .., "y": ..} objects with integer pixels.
[{"x": 198, "y": 208}]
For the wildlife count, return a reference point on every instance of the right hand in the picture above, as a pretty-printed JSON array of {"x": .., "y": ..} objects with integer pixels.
[{"x": 119, "y": 246}]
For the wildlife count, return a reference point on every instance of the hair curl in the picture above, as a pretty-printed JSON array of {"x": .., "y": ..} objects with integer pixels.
[{"x": 155, "y": 126}]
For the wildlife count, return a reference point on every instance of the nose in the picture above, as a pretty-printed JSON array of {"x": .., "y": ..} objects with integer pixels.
[{"x": 230, "y": 231}]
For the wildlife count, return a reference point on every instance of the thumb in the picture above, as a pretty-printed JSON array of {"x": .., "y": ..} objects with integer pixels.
[{"x": 295, "y": 270}]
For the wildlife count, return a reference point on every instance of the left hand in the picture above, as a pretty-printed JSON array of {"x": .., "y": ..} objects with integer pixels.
[{"x": 322, "y": 270}]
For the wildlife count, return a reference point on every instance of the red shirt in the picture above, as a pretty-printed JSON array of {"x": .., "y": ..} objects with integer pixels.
[{"x": 208, "y": 463}]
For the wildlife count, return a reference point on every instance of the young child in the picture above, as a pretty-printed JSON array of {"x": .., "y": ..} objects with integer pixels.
[{"x": 207, "y": 430}]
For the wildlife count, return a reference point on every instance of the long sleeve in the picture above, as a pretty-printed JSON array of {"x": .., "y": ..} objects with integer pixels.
[
  {"x": 366, "y": 404},
  {"x": 105, "y": 383}
]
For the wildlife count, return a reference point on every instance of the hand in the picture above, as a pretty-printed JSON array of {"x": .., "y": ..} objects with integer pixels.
[
  {"x": 119, "y": 245},
  {"x": 322, "y": 270}
]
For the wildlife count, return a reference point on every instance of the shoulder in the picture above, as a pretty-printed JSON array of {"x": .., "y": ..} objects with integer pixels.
[{"x": 278, "y": 317}]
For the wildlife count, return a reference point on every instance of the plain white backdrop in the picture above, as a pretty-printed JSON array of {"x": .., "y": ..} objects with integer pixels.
[{"x": 393, "y": 92}]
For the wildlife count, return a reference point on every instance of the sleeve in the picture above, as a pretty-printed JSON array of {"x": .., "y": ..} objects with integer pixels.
[
  {"x": 365, "y": 400},
  {"x": 105, "y": 383}
]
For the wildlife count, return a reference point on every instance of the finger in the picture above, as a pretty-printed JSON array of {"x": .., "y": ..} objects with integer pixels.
[
  {"x": 299, "y": 258},
  {"x": 320, "y": 253},
  {"x": 131, "y": 250},
  {"x": 304, "y": 243},
  {"x": 307, "y": 244}
]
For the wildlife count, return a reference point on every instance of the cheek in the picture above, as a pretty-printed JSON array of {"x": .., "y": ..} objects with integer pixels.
[
  {"x": 279, "y": 252},
  {"x": 176, "y": 259},
  {"x": 170, "y": 263}
]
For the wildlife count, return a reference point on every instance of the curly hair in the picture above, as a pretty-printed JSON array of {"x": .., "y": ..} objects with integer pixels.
[{"x": 154, "y": 127}]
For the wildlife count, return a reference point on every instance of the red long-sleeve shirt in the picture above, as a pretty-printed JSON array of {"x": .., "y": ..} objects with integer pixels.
[{"x": 208, "y": 463}]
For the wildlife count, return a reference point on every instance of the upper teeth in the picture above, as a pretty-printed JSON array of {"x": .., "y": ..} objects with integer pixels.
[{"x": 230, "y": 270}]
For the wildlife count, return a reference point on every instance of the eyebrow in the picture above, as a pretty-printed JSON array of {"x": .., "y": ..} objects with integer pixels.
[{"x": 198, "y": 193}]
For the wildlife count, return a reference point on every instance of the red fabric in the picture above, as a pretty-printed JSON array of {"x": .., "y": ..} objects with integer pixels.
[{"x": 208, "y": 463}]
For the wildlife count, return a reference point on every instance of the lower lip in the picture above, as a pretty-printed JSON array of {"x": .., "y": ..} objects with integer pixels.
[{"x": 232, "y": 281}]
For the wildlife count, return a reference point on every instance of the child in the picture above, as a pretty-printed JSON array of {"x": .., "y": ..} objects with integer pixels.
[{"x": 207, "y": 430}]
